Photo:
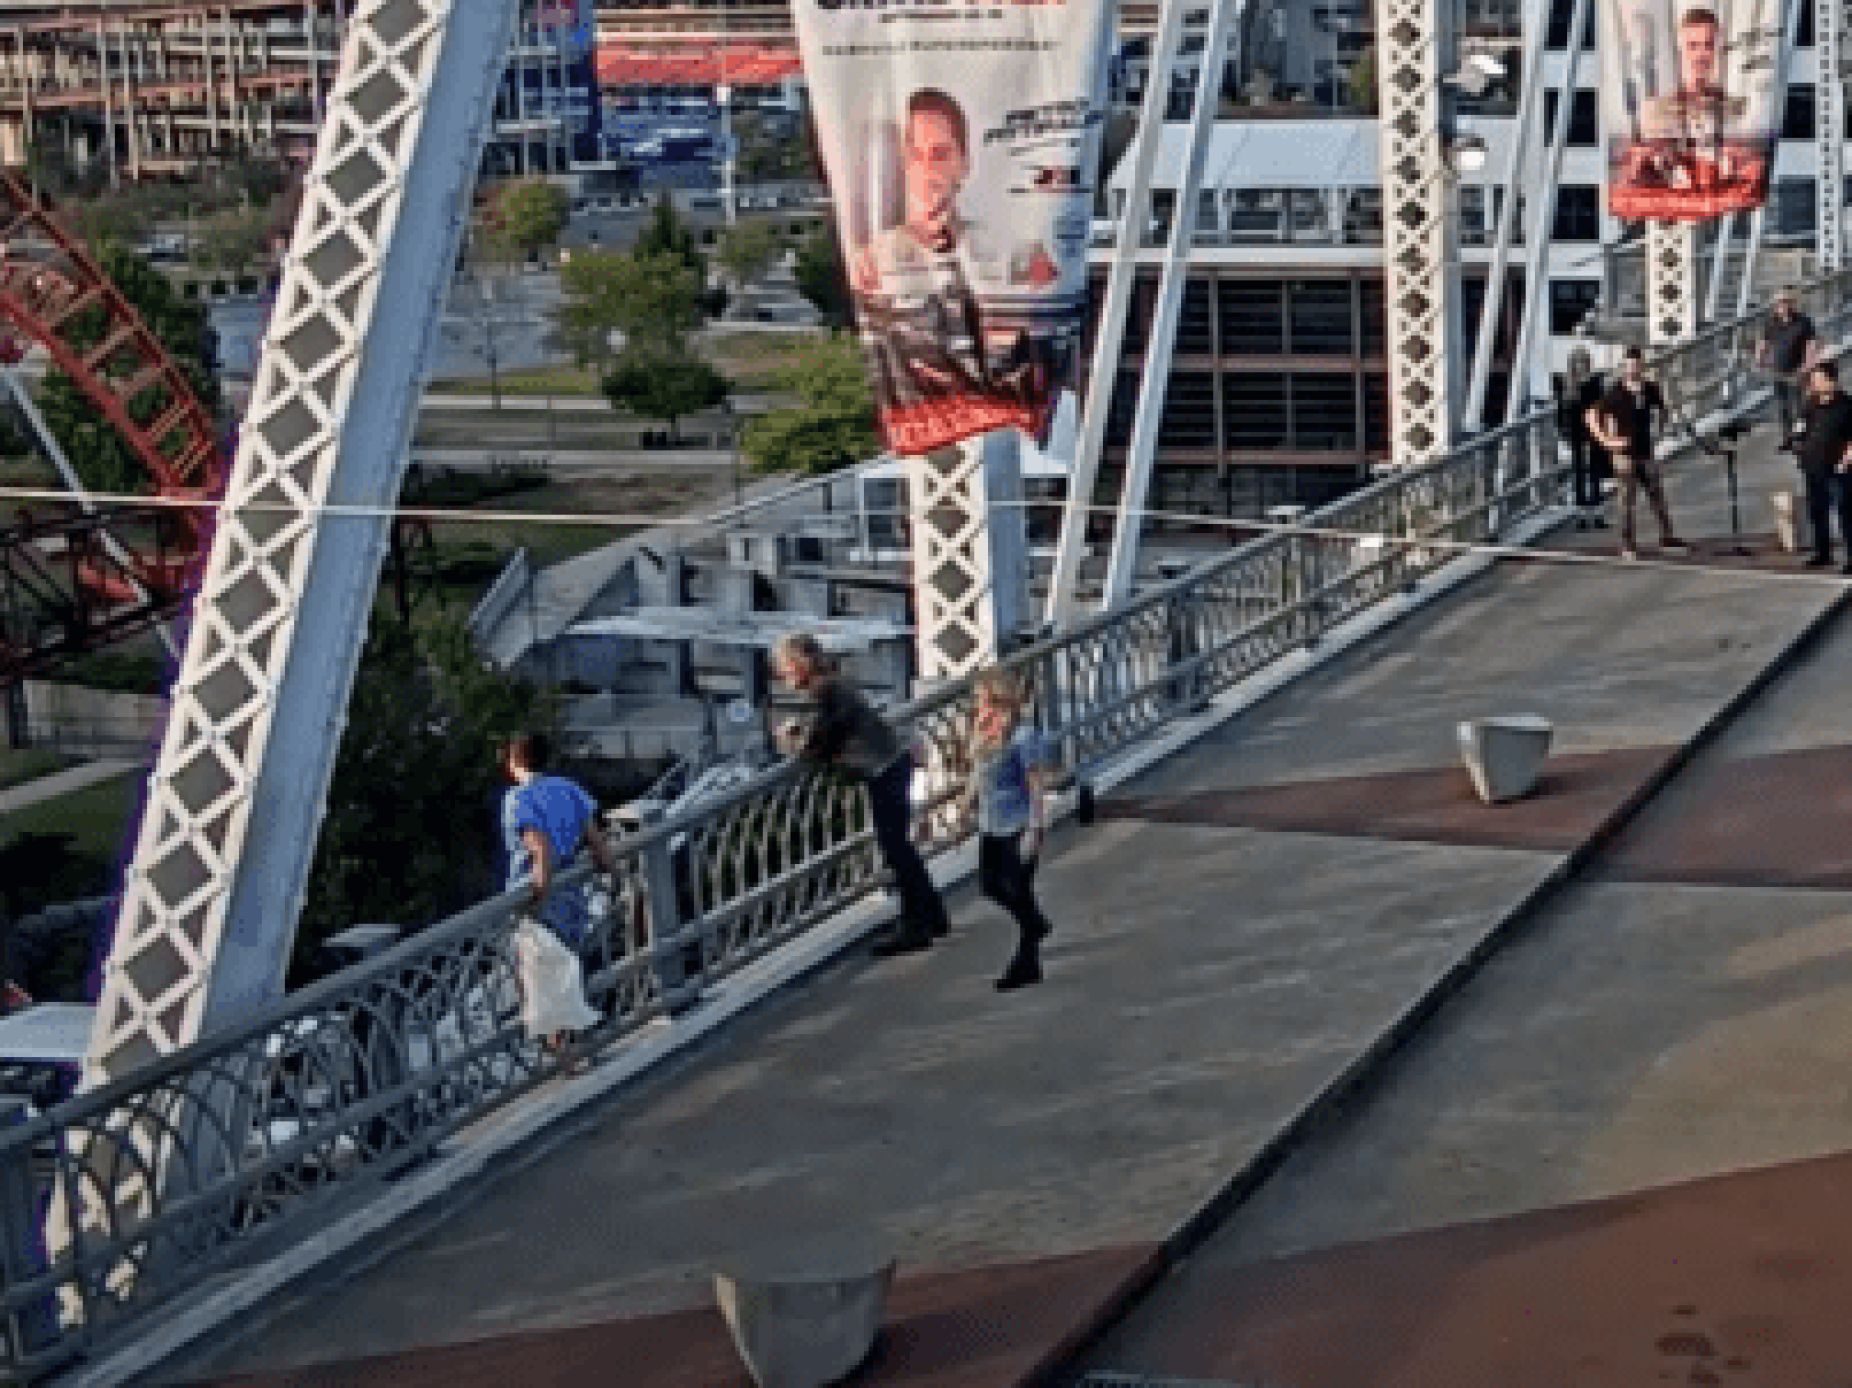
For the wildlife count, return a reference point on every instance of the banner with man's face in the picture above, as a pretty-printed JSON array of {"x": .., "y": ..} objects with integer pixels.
[
  {"x": 962, "y": 142},
  {"x": 1692, "y": 94}
]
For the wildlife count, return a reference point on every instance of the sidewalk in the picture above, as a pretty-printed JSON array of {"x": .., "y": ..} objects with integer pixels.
[
  {"x": 1241, "y": 930},
  {"x": 64, "y": 782}
]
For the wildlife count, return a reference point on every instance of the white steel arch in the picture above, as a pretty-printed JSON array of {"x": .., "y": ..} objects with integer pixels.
[{"x": 211, "y": 899}]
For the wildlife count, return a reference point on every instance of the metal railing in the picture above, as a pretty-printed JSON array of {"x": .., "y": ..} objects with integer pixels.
[{"x": 225, "y": 1149}]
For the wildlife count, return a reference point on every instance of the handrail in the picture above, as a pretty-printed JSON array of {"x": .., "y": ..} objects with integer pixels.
[{"x": 187, "y": 1164}]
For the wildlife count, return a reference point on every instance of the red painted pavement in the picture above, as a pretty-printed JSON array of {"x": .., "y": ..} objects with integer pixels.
[
  {"x": 974, "y": 1328},
  {"x": 1735, "y": 1280}
]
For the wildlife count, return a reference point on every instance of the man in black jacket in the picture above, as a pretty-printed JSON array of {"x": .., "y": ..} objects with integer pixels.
[
  {"x": 849, "y": 735},
  {"x": 1823, "y": 447},
  {"x": 1624, "y": 424}
]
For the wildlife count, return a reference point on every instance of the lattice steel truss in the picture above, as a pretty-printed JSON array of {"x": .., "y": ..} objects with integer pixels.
[
  {"x": 1418, "y": 229},
  {"x": 211, "y": 900},
  {"x": 1829, "y": 28},
  {"x": 1671, "y": 282},
  {"x": 967, "y": 574}
]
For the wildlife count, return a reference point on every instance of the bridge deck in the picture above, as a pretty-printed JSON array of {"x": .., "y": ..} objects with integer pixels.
[{"x": 1246, "y": 922}]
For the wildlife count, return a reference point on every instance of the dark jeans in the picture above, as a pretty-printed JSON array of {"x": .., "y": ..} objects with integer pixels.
[
  {"x": 1787, "y": 401},
  {"x": 1585, "y": 469},
  {"x": 892, "y": 811},
  {"x": 1008, "y": 879},
  {"x": 1827, "y": 491}
]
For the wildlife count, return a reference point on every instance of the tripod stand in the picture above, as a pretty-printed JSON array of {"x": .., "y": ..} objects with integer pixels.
[{"x": 1736, "y": 547}]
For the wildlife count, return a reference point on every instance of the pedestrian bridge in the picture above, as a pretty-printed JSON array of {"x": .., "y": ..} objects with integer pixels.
[{"x": 1240, "y": 1052}]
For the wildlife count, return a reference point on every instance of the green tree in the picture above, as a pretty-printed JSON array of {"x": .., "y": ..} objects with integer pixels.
[
  {"x": 653, "y": 299},
  {"x": 833, "y": 427},
  {"x": 97, "y": 451},
  {"x": 526, "y": 216},
  {"x": 750, "y": 249},
  {"x": 235, "y": 242},
  {"x": 822, "y": 278},
  {"x": 1363, "y": 81},
  {"x": 665, "y": 235},
  {"x": 410, "y": 833},
  {"x": 663, "y": 383}
]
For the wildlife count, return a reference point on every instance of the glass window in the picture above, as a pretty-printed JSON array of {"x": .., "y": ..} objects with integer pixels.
[
  {"x": 1189, "y": 411},
  {"x": 1308, "y": 216},
  {"x": 1376, "y": 412},
  {"x": 1254, "y": 410},
  {"x": 1803, "y": 31},
  {"x": 1253, "y": 318},
  {"x": 1321, "y": 317},
  {"x": 1795, "y": 212},
  {"x": 1124, "y": 402},
  {"x": 1208, "y": 218},
  {"x": 1363, "y": 217},
  {"x": 1374, "y": 302},
  {"x": 1571, "y": 302},
  {"x": 1194, "y": 335},
  {"x": 1324, "y": 410},
  {"x": 1797, "y": 122},
  {"x": 1578, "y": 213},
  {"x": 1557, "y": 36},
  {"x": 1582, "y": 122},
  {"x": 1138, "y": 312},
  {"x": 1259, "y": 215}
]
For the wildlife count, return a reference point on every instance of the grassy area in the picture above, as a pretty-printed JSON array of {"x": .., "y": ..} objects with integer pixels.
[
  {"x": 750, "y": 360},
  {"x": 29, "y": 763},
  {"x": 537, "y": 381}
]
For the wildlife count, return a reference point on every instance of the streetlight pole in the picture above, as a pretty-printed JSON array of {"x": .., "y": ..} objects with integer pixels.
[{"x": 733, "y": 440}]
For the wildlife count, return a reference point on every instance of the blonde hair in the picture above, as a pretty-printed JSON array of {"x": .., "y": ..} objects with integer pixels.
[{"x": 1003, "y": 688}]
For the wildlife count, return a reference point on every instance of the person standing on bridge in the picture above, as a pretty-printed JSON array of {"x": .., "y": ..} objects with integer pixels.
[
  {"x": 545, "y": 820},
  {"x": 1008, "y": 786},
  {"x": 1788, "y": 351},
  {"x": 847, "y": 734},
  {"x": 1623, "y": 423},
  {"x": 1823, "y": 447}
]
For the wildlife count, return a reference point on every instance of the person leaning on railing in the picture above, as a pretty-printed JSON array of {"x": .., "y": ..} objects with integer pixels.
[{"x": 847, "y": 734}]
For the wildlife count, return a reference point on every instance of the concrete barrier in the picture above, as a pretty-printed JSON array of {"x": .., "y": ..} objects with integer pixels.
[
  {"x": 806, "y": 1315},
  {"x": 1505, "y": 755}
]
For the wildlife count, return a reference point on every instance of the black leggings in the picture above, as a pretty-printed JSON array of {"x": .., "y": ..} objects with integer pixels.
[{"x": 1008, "y": 879}]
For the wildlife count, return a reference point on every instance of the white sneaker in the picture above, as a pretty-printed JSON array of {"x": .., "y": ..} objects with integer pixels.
[{"x": 1629, "y": 552}]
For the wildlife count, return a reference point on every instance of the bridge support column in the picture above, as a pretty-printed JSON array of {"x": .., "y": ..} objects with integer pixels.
[
  {"x": 1419, "y": 255},
  {"x": 1671, "y": 282},
  {"x": 969, "y": 570}
]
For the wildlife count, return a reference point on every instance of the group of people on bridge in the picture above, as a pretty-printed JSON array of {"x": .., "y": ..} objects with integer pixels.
[
  {"x": 547, "y": 819},
  {"x": 1615, "y": 431}
]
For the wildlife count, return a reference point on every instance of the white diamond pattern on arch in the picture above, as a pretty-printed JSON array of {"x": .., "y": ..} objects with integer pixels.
[
  {"x": 1417, "y": 230},
  {"x": 157, "y": 989}
]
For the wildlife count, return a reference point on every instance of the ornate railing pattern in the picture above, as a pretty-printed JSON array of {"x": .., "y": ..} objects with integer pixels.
[{"x": 241, "y": 1140}]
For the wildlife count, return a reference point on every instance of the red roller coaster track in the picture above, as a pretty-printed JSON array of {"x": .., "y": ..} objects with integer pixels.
[{"x": 53, "y": 291}]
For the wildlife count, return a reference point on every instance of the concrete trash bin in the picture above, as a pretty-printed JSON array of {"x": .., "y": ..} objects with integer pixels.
[
  {"x": 1791, "y": 528},
  {"x": 1505, "y": 755},
  {"x": 805, "y": 1315}
]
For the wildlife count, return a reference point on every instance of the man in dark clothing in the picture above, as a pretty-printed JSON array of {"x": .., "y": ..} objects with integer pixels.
[
  {"x": 1824, "y": 449},
  {"x": 1623, "y": 424},
  {"x": 846, "y": 733},
  {"x": 1588, "y": 461},
  {"x": 1788, "y": 350}
]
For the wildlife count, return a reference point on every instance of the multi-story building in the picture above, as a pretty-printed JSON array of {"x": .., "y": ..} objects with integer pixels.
[
  {"x": 1278, "y": 386},
  {"x": 152, "y": 90}
]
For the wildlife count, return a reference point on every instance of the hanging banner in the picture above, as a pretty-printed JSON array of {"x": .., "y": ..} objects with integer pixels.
[
  {"x": 962, "y": 143},
  {"x": 1692, "y": 105}
]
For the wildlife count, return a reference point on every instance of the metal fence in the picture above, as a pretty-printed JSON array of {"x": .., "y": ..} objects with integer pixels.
[{"x": 236, "y": 1143}]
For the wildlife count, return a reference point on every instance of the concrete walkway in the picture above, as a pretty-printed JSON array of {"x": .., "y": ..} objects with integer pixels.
[
  {"x": 1246, "y": 925},
  {"x": 64, "y": 782}
]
